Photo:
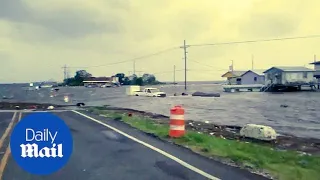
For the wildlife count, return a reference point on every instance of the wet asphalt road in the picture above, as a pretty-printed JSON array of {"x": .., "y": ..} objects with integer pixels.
[{"x": 100, "y": 153}]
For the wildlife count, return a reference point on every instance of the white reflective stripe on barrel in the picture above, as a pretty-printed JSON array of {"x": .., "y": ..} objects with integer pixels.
[
  {"x": 178, "y": 117},
  {"x": 175, "y": 127}
]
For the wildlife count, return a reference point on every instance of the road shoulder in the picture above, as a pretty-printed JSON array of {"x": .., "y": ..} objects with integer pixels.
[{"x": 210, "y": 166}]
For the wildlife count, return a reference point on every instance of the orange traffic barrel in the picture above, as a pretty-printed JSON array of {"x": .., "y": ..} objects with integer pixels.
[{"x": 177, "y": 124}]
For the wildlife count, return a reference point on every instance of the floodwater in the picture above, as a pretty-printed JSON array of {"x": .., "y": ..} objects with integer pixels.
[{"x": 301, "y": 117}]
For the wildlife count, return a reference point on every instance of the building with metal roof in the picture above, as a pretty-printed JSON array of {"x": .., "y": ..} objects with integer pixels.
[
  {"x": 243, "y": 77},
  {"x": 287, "y": 75},
  {"x": 290, "y": 69},
  {"x": 317, "y": 72},
  {"x": 316, "y": 69}
]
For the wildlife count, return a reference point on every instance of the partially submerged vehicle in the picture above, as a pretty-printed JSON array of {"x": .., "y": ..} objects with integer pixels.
[{"x": 149, "y": 92}]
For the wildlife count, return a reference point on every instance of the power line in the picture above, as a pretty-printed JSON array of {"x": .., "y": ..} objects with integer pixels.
[
  {"x": 179, "y": 70},
  {"x": 130, "y": 60},
  {"x": 255, "y": 41},
  {"x": 193, "y": 45},
  {"x": 207, "y": 65},
  {"x": 164, "y": 72}
]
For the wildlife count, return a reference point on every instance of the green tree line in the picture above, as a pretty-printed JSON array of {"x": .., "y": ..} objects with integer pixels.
[{"x": 145, "y": 79}]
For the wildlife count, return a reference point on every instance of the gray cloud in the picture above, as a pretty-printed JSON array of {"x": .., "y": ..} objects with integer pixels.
[
  {"x": 268, "y": 25},
  {"x": 116, "y": 4},
  {"x": 13, "y": 10},
  {"x": 64, "y": 24},
  {"x": 187, "y": 24},
  {"x": 71, "y": 24}
]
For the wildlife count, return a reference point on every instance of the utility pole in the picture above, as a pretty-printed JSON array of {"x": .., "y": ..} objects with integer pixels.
[
  {"x": 174, "y": 74},
  {"x": 134, "y": 66},
  {"x": 231, "y": 65},
  {"x": 252, "y": 62},
  {"x": 65, "y": 72},
  {"x": 185, "y": 63},
  {"x": 315, "y": 58}
]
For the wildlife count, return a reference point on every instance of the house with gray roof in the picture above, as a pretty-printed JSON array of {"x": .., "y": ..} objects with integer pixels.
[
  {"x": 286, "y": 75},
  {"x": 244, "y": 77},
  {"x": 317, "y": 72},
  {"x": 316, "y": 69}
]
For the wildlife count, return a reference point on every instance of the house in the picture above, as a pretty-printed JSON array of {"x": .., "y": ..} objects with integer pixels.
[
  {"x": 316, "y": 69},
  {"x": 115, "y": 79},
  {"x": 244, "y": 77},
  {"x": 317, "y": 72},
  {"x": 289, "y": 75}
]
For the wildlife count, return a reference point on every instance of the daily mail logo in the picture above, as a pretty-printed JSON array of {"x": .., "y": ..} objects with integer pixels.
[
  {"x": 32, "y": 150},
  {"x": 41, "y": 143}
]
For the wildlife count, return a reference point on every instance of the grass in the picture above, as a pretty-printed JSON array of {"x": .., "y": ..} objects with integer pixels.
[{"x": 283, "y": 165}]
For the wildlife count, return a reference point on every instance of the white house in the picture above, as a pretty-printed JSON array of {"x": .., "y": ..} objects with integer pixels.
[
  {"x": 317, "y": 72},
  {"x": 289, "y": 75},
  {"x": 244, "y": 77}
]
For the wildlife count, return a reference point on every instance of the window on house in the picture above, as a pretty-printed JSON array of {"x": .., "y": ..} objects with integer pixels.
[
  {"x": 305, "y": 74},
  {"x": 255, "y": 78}
]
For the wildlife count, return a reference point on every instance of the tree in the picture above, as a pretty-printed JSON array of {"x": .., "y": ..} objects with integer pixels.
[
  {"x": 139, "y": 81},
  {"x": 149, "y": 78},
  {"x": 82, "y": 74},
  {"x": 133, "y": 78},
  {"x": 146, "y": 79},
  {"x": 121, "y": 77},
  {"x": 77, "y": 80},
  {"x": 126, "y": 81}
]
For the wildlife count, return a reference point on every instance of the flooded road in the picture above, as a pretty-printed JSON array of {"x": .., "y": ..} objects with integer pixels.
[{"x": 301, "y": 117}]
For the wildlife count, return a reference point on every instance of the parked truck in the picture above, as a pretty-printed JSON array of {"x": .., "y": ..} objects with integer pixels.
[{"x": 150, "y": 92}]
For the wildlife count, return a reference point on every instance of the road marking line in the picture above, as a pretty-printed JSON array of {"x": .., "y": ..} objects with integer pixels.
[
  {"x": 6, "y": 155},
  {"x": 33, "y": 111},
  {"x": 152, "y": 147},
  {"x": 30, "y": 111},
  {"x": 4, "y": 161},
  {"x": 6, "y": 133},
  {"x": 20, "y": 115}
]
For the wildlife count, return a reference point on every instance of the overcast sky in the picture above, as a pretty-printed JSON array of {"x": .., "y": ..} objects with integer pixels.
[{"x": 37, "y": 37}]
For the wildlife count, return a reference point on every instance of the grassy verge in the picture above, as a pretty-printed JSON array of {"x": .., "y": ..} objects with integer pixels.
[{"x": 284, "y": 165}]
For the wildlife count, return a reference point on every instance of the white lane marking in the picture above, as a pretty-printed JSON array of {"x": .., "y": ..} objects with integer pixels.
[
  {"x": 152, "y": 147},
  {"x": 31, "y": 111},
  {"x": 46, "y": 111}
]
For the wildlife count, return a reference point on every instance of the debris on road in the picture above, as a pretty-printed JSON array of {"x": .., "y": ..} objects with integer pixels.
[
  {"x": 265, "y": 133},
  {"x": 202, "y": 94},
  {"x": 80, "y": 104}
]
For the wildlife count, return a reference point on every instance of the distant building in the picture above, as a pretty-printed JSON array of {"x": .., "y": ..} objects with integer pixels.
[
  {"x": 289, "y": 75},
  {"x": 244, "y": 77},
  {"x": 317, "y": 72},
  {"x": 115, "y": 79},
  {"x": 316, "y": 69},
  {"x": 47, "y": 84},
  {"x": 99, "y": 81}
]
